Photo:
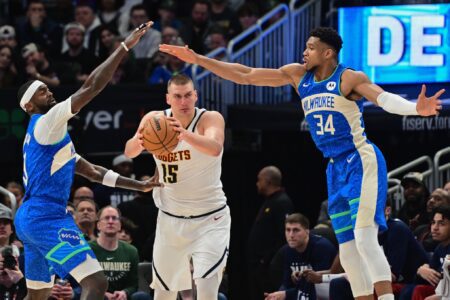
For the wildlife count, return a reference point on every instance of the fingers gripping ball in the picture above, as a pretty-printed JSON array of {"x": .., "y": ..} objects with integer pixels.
[{"x": 159, "y": 136}]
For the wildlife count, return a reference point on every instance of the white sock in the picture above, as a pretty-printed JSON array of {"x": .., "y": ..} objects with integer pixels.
[{"x": 386, "y": 297}]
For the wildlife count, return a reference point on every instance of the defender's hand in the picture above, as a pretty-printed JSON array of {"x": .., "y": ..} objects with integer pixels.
[
  {"x": 181, "y": 52},
  {"x": 136, "y": 34},
  {"x": 429, "y": 106}
]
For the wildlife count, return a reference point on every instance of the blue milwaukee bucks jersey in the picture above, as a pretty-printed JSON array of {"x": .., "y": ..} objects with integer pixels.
[
  {"x": 335, "y": 123},
  {"x": 48, "y": 170}
]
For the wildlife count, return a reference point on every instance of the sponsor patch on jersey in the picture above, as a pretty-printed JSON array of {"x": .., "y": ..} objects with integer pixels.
[
  {"x": 331, "y": 85},
  {"x": 70, "y": 236}
]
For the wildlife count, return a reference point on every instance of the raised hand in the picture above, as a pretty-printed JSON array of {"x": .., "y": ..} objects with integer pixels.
[
  {"x": 181, "y": 52},
  {"x": 136, "y": 34},
  {"x": 429, "y": 106}
]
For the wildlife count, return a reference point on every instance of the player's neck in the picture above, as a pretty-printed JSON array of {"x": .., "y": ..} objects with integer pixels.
[
  {"x": 108, "y": 243},
  {"x": 324, "y": 71}
]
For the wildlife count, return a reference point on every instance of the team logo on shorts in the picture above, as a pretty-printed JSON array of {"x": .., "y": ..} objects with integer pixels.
[
  {"x": 331, "y": 85},
  {"x": 70, "y": 236}
]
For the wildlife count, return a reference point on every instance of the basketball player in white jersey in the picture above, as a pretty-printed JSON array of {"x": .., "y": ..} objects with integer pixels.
[
  {"x": 331, "y": 97},
  {"x": 193, "y": 220}
]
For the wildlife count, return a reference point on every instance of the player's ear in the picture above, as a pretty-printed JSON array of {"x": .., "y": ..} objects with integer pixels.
[{"x": 167, "y": 99}]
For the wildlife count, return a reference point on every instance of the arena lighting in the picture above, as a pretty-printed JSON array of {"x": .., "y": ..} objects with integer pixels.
[{"x": 397, "y": 44}]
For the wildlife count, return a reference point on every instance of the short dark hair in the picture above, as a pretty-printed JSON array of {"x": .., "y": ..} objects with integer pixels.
[
  {"x": 328, "y": 36},
  {"x": 23, "y": 88},
  {"x": 297, "y": 218},
  {"x": 179, "y": 79},
  {"x": 138, "y": 7},
  {"x": 444, "y": 210}
]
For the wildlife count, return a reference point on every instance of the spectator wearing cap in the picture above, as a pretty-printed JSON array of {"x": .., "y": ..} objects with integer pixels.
[
  {"x": 85, "y": 15},
  {"x": 8, "y": 36},
  {"x": 77, "y": 60},
  {"x": 37, "y": 66},
  {"x": 167, "y": 16},
  {"x": 39, "y": 29},
  {"x": 149, "y": 43},
  {"x": 413, "y": 211},
  {"x": 105, "y": 195}
]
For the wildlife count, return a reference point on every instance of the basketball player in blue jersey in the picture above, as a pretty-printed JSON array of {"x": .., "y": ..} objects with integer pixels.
[
  {"x": 331, "y": 97},
  {"x": 53, "y": 243}
]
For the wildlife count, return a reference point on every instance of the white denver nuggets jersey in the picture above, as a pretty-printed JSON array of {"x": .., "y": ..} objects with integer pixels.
[
  {"x": 191, "y": 178},
  {"x": 335, "y": 122}
]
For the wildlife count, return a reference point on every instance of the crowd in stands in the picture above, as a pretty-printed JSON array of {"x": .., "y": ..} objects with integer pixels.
[{"x": 38, "y": 42}]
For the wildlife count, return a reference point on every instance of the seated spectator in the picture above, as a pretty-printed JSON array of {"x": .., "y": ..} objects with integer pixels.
[
  {"x": 17, "y": 189},
  {"x": 85, "y": 15},
  {"x": 223, "y": 16},
  {"x": 128, "y": 231},
  {"x": 423, "y": 232},
  {"x": 169, "y": 35},
  {"x": 8, "y": 71},
  {"x": 109, "y": 13},
  {"x": 413, "y": 211},
  {"x": 37, "y": 28},
  {"x": 118, "y": 259},
  {"x": 447, "y": 186},
  {"x": 304, "y": 251},
  {"x": 82, "y": 193},
  {"x": 149, "y": 43},
  {"x": 127, "y": 70},
  {"x": 323, "y": 220},
  {"x": 86, "y": 218},
  {"x": 167, "y": 16},
  {"x": 174, "y": 66},
  {"x": 248, "y": 15},
  {"x": 38, "y": 66},
  {"x": 77, "y": 60},
  {"x": 216, "y": 38},
  {"x": 194, "y": 29},
  {"x": 71, "y": 209},
  {"x": 8, "y": 38},
  {"x": 108, "y": 36}
]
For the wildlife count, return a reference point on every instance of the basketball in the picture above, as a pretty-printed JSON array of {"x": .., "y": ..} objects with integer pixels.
[{"x": 159, "y": 137}]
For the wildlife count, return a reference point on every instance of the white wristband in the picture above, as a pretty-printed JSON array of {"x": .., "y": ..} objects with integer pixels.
[
  {"x": 124, "y": 46},
  {"x": 395, "y": 104},
  {"x": 110, "y": 178}
]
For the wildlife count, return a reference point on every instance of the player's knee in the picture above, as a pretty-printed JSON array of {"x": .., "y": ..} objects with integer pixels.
[
  {"x": 207, "y": 288},
  {"x": 367, "y": 242}
]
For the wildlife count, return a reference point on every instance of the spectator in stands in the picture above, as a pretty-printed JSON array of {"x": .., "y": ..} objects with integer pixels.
[
  {"x": 216, "y": 38},
  {"x": 12, "y": 281},
  {"x": 109, "y": 13},
  {"x": 108, "y": 37},
  {"x": 62, "y": 290},
  {"x": 78, "y": 61},
  {"x": 194, "y": 30},
  {"x": 304, "y": 251},
  {"x": 323, "y": 220},
  {"x": 128, "y": 231},
  {"x": 8, "y": 71},
  {"x": 142, "y": 212},
  {"x": 82, "y": 193},
  {"x": 413, "y": 211},
  {"x": 38, "y": 66},
  {"x": 267, "y": 234},
  {"x": 85, "y": 15},
  {"x": 222, "y": 15},
  {"x": 447, "y": 186},
  {"x": 8, "y": 38},
  {"x": 17, "y": 189},
  {"x": 149, "y": 43},
  {"x": 423, "y": 232},
  {"x": 71, "y": 209},
  {"x": 86, "y": 218},
  {"x": 432, "y": 273},
  {"x": 105, "y": 195},
  {"x": 174, "y": 66},
  {"x": 167, "y": 16},
  {"x": 248, "y": 15},
  {"x": 118, "y": 259},
  {"x": 168, "y": 35},
  {"x": 37, "y": 28}
]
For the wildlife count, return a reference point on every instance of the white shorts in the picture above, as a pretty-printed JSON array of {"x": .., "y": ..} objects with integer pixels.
[{"x": 177, "y": 240}]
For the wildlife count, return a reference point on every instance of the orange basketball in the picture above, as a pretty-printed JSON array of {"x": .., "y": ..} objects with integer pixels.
[{"x": 159, "y": 137}]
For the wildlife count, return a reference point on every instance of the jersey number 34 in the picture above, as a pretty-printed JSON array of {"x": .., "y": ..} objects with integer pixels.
[{"x": 324, "y": 128}]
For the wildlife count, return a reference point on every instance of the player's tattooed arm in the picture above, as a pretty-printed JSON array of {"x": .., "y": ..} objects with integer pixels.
[
  {"x": 100, "y": 77},
  {"x": 104, "y": 176}
]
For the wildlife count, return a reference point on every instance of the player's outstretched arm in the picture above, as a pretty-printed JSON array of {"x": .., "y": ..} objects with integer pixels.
[
  {"x": 426, "y": 106},
  {"x": 211, "y": 134},
  {"x": 100, "y": 77},
  {"x": 106, "y": 177},
  {"x": 288, "y": 74}
]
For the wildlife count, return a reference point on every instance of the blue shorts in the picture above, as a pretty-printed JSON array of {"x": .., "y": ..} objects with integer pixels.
[
  {"x": 53, "y": 243},
  {"x": 357, "y": 191}
]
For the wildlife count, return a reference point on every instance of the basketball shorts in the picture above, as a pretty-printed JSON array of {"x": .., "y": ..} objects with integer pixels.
[
  {"x": 52, "y": 241},
  {"x": 357, "y": 191},
  {"x": 205, "y": 240}
]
